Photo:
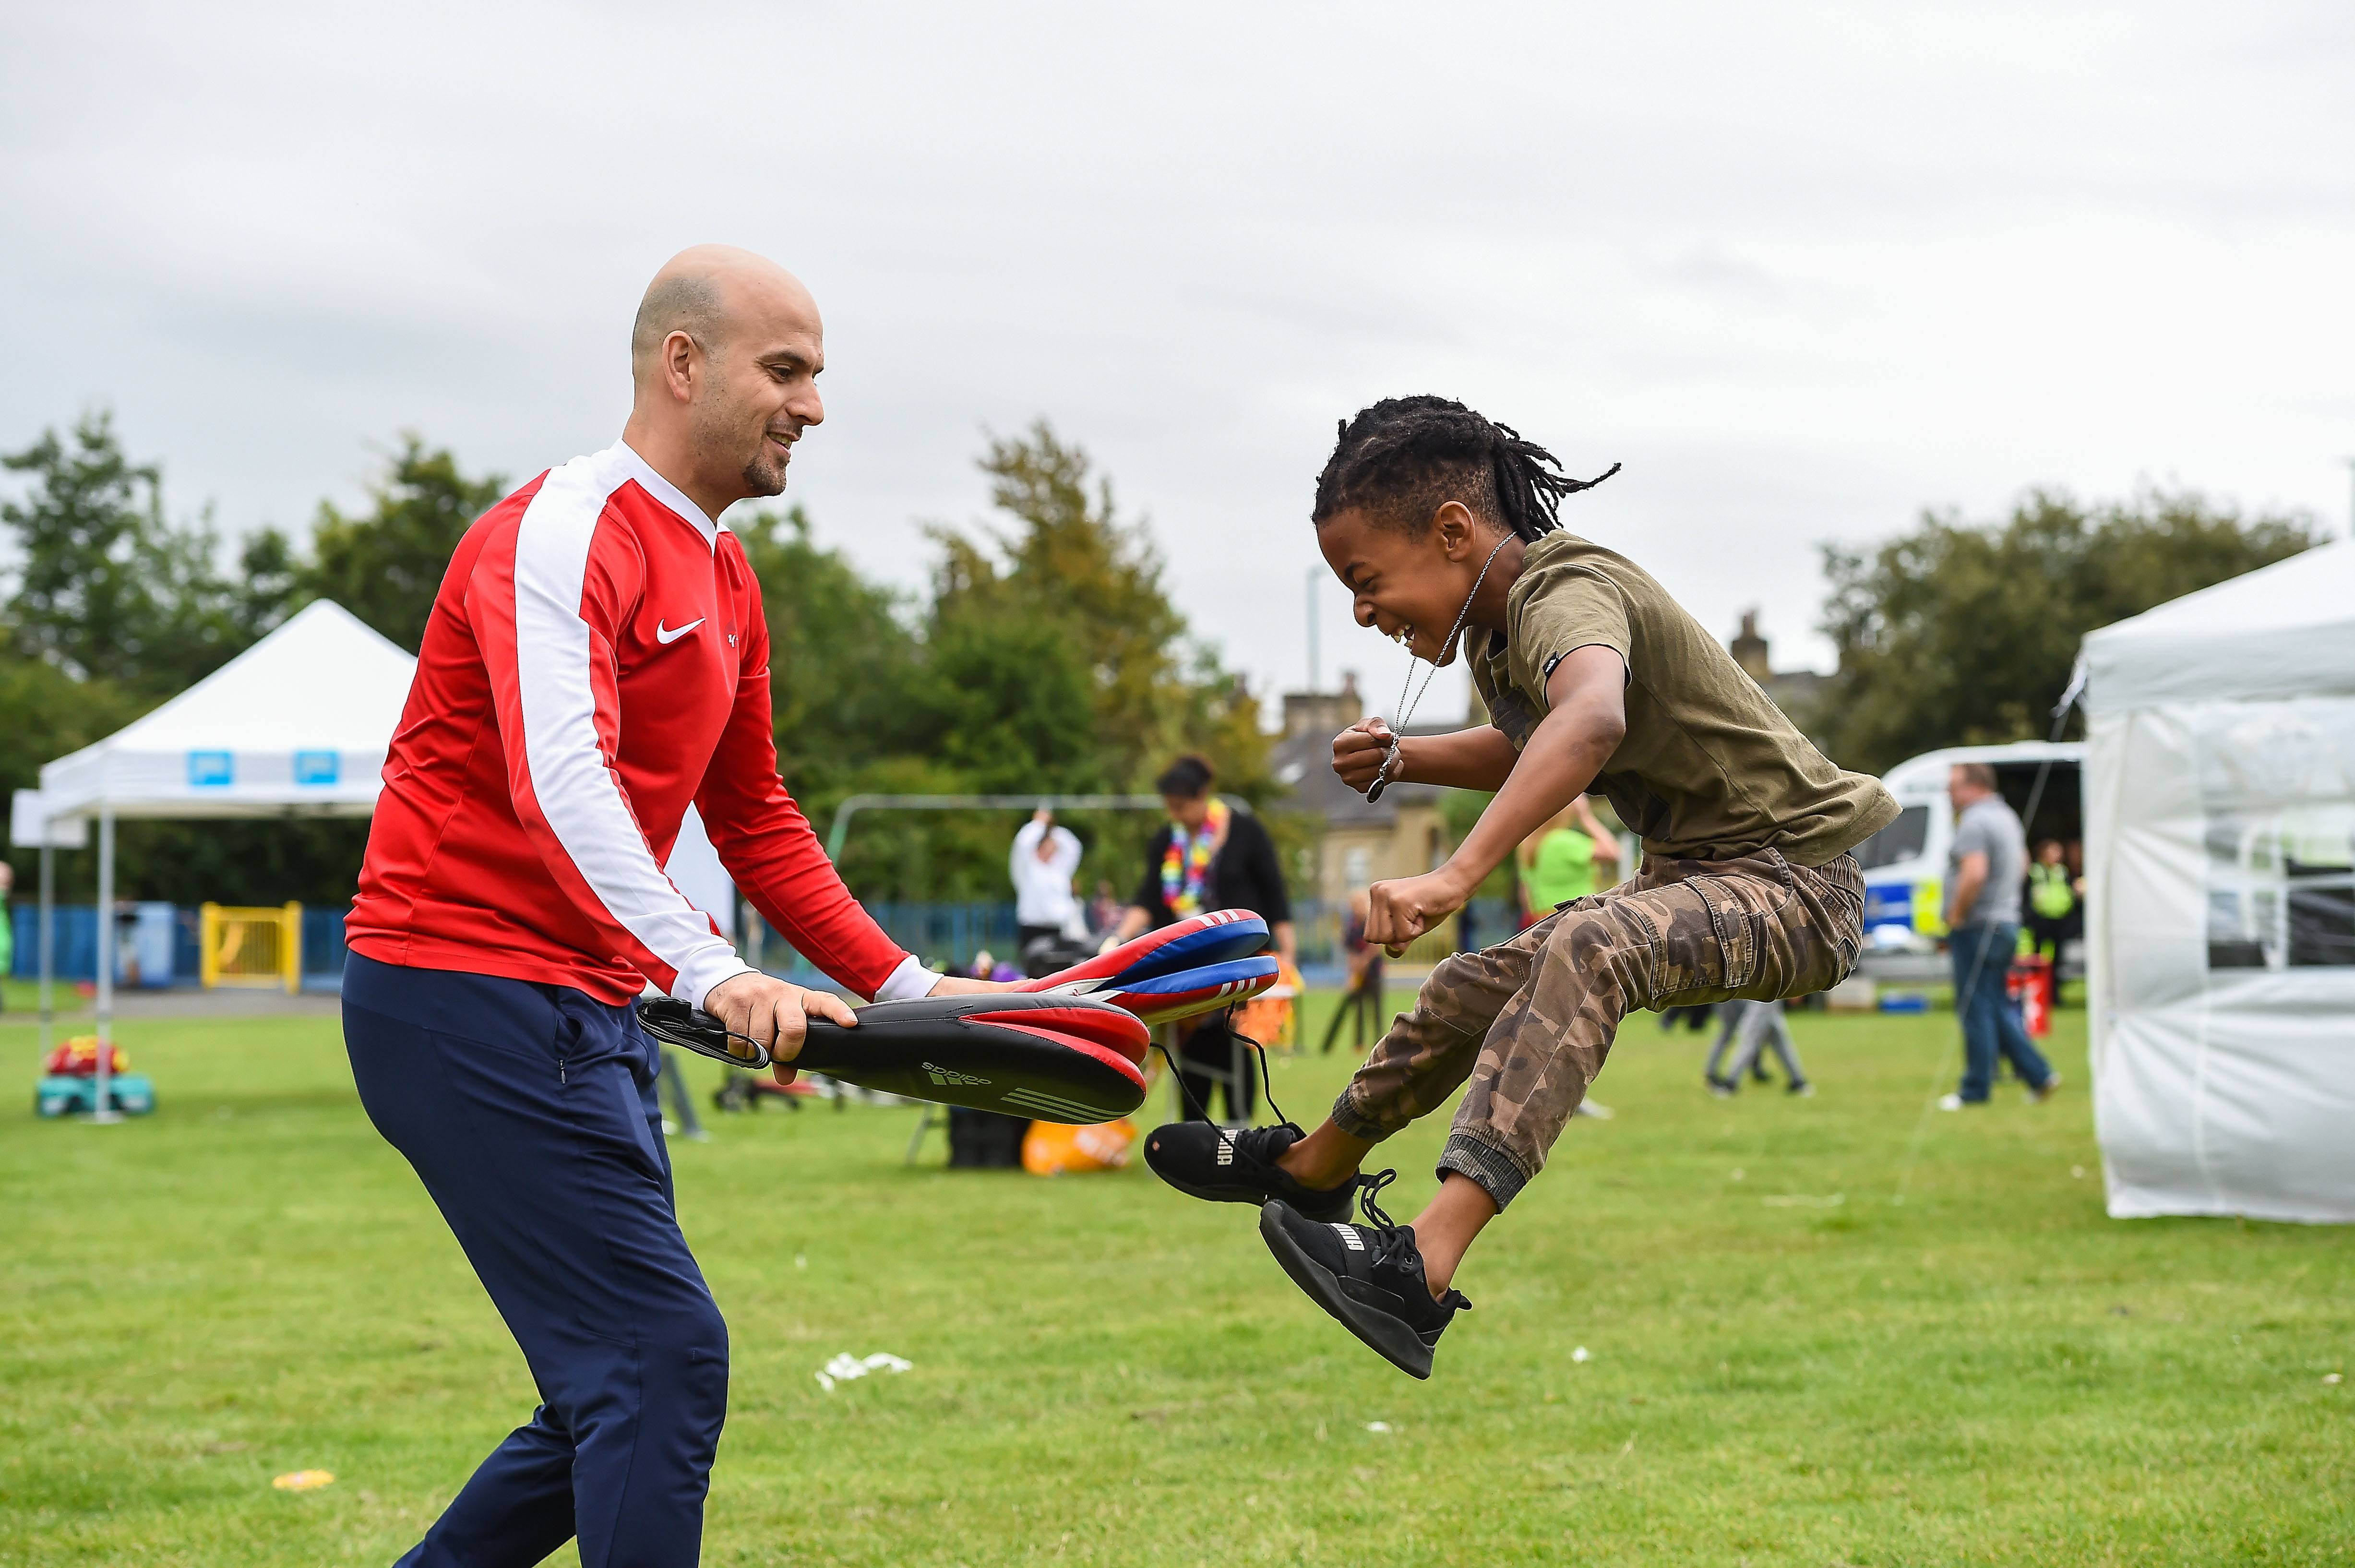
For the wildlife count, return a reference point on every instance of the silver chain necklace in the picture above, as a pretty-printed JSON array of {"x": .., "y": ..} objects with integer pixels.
[{"x": 1398, "y": 731}]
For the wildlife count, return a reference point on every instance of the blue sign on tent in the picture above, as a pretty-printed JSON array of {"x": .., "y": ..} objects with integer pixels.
[
  {"x": 318, "y": 767},
  {"x": 211, "y": 770}
]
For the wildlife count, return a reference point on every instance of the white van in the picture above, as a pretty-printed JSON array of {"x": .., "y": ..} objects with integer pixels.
[{"x": 1905, "y": 862}]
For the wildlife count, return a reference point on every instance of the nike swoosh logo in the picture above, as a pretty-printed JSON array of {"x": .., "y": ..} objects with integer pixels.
[{"x": 666, "y": 638}]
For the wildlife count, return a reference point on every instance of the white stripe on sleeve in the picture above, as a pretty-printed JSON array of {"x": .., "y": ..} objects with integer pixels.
[
  {"x": 578, "y": 795},
  {"x": 910, "y": 979}
]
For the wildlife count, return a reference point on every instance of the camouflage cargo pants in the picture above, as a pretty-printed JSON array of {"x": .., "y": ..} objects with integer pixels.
[{"x": 1529, "y": 1022}]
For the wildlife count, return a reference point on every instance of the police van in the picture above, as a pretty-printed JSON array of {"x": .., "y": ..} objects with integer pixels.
[{"x": 1905, "y": 863}]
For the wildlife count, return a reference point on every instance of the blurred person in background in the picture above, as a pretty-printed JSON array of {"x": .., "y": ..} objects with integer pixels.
[
  {"x": 1209, "y": 856},
  {"x": 1749, "y": 1029},
  {"x": 7, "y": 930},
  {"x": 1986, "y": 870},
  {"x": 682, "y": 1122},
  {"x": 1103, "y": 912},
  {"x": 2056, "y": 905},
  {"x": 1361, "y": 1003},
  {"x": 1041, "y": 863},
  {"x": 1559, "y": 861}
]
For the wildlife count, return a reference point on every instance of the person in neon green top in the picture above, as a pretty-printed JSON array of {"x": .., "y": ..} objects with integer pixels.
[
  {"x": 2054, "y": 896},
  {"x": 1558, "y": 862}
]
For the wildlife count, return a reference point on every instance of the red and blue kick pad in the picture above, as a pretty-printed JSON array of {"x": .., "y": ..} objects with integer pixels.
[{"x": 1196, "y": 965}]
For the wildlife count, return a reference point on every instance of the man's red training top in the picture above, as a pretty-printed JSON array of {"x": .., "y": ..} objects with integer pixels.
[{"x": 596, "y": 660}]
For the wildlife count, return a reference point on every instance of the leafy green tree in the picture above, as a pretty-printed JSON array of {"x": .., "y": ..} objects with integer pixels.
[
  {"x": 385, "y": 565},
  {"x": 846, "y": 672},
  {"x": 46, "y": 713},
  {"x": 1071, "y": 561},
  {"x": 1010, "y": 701},
  {"x": 1959, "y": 634},
  {"x": 1058, "y": 661},
  {"x": 106, "y": 588}
]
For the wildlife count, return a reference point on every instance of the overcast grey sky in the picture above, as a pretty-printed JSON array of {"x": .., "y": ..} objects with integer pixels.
[{"x": 1805, "y": 269}]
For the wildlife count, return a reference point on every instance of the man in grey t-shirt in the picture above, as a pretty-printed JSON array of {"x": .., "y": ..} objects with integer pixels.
[{"x": 1983, "y": 873}]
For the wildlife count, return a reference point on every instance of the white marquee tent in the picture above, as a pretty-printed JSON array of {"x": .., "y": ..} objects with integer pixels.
[
  {"x": 2220, "y": 850},
  {"x": 296, "y": 725}
]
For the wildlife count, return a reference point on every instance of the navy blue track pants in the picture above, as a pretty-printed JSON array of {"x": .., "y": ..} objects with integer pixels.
[{"x": 530, "y": 1113}]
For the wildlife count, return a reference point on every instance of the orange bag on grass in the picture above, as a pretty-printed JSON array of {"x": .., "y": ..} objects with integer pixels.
[{"x": 1053, "y": 1149}]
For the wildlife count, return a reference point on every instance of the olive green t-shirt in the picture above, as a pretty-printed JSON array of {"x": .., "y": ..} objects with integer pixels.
[{"x": 1710, "y": 768}]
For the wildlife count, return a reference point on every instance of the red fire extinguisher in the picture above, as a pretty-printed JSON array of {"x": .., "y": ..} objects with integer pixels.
[{"x": 2029, "y": 983}]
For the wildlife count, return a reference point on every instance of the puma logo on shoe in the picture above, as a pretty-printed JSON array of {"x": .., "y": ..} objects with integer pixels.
[
  {"x": 1351, "y": 1239},
  {"x": 667, "y": 637},
  {"x": 1226, "y": 1155}
]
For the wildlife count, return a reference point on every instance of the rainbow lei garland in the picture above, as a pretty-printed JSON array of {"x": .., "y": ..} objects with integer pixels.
[{"x": 1187, "y": 860}]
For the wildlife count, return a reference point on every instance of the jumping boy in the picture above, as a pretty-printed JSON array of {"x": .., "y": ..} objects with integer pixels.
[{"x": 1443, "y": 523}]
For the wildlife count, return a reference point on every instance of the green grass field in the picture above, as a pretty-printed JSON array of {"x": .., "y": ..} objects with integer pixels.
[
  {"x": 22, "y": 996},
  {"x": 1785, "y": 1365}
]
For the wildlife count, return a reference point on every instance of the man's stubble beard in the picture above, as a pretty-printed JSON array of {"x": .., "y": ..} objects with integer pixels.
[
  {"x": 764, "y": 476},
  {"x": 717, "y": 441}
]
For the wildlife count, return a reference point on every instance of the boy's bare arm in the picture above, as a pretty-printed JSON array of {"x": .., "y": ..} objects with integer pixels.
[
  {"x": 1587, "y": 694},
  {"x": 1469, "y": 759},
  {"x": 1589, "y": 717}
]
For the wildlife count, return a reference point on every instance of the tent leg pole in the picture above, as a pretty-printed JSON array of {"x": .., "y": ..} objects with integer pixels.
[
  {"x": 104, "y": 1111},
  {"x": 48, "y": 940}
]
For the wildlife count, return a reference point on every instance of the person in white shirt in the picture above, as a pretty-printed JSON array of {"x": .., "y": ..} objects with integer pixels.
[{"x": 1042, "y": 863}]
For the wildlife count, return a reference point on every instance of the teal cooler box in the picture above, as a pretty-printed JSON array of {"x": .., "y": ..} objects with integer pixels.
[{"x": 61, "y": 1095}]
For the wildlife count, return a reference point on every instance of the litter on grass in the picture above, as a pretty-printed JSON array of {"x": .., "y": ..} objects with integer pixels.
[
  {"x": 1581, "y": 1354},
  {"x": 1378, "y": 1426},
  {"x": 303, "y": 1480},
  {"x": 846, "y": 1366},
  {"x": 1804, "y": 1200},
  {"x": 2329, "y": 1378}
]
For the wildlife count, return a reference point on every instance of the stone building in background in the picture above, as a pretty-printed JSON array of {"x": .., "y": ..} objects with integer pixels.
[
  {"x": 1797, "y": 692},
  {"x": 1402, "y": 835}
]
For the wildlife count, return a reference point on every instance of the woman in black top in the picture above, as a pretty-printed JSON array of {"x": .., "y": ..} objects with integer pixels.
[{"x": 1209, "y": 856}]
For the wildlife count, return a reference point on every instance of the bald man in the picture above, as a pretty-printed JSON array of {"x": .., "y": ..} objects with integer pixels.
[{"x": 596, "y": 661}]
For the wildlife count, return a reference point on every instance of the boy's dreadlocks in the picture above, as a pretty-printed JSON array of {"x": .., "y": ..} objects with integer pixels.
[{"x": 1403, "y": 457}]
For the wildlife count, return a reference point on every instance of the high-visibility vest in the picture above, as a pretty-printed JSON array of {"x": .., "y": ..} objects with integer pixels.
[{"x": 2049, "y": 892}]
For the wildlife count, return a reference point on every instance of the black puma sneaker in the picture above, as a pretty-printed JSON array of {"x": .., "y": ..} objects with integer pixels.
[
  {"x": 1368, "y": 1276},
  {"x": 1204, "y": 1160}
]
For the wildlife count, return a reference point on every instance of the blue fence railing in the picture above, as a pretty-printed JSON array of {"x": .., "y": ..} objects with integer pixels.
[
  {"x": 76, "y": 929},
  {"x": 323, "y": 941},
  {"x": 142, "y": 942},
  {"x": 946, "y": 933}
]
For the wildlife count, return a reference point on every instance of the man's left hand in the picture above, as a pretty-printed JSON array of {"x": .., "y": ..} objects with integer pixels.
[{"x": 1397, "y": 912}]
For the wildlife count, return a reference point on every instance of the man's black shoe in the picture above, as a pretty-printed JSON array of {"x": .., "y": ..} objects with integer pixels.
[
  {"x": 1368, "y": 1276},
  {"x": 1203, "y": 1160}
]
